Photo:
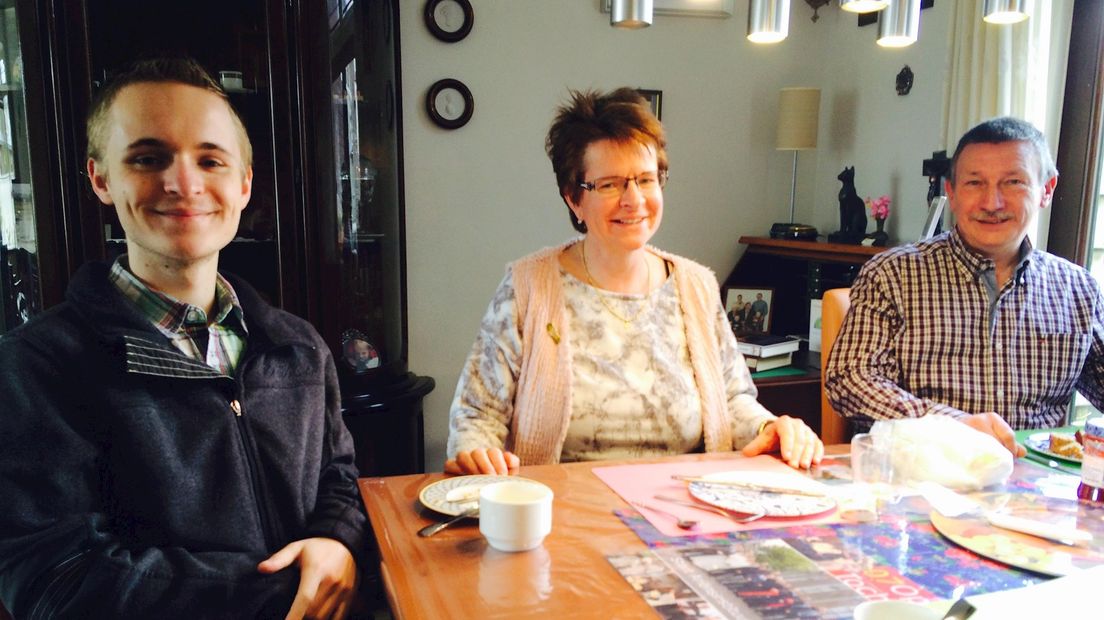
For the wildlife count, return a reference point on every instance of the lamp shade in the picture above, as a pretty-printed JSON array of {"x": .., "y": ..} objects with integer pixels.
[
  {"x": 768, "y": 20},
  {"x": 1005, "y": 11},
  {"x": 899, "y": 23},
  {"x": 631, "y": 13},
  {"x": 798, "y": 114},
  {"x": 863, "y": 6}
]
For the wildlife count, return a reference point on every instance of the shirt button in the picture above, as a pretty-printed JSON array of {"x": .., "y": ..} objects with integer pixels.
[
  {"x": 1000, "y": 393},
  {"x": 1000, "y": 346},
  {"x": 193, "y": 315}
]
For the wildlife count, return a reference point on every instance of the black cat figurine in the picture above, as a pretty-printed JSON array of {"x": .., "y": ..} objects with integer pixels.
[{"x": 852, "y": 211}]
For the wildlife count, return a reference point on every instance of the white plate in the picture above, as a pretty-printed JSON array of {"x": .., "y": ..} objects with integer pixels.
[
  {"x": 1040, "y": 442},
  {"x": 433, "y": 495},
  {"x": 770, "y": 504}
]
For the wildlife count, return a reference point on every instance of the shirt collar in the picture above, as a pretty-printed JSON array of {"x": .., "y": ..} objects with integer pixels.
[
  {"x": 171, "y": 314},
  {"x": 977, "y": 264}
]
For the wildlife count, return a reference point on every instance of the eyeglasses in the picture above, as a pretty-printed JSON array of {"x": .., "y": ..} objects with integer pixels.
[{"x": 646, "y": 182}]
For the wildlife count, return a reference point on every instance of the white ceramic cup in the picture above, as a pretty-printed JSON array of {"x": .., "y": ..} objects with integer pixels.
[
  {"x": 895, "y": 610},
  {"x": 515, "y": 515}
]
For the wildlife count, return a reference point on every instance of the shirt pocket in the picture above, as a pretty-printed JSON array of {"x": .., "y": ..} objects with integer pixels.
[{"x": 1046, "y": 365}]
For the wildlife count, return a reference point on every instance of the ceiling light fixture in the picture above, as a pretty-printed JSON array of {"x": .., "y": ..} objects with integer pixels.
[
  {"x": 768, "y": 21},
  {"x": 1005, "y": 11},
  {"x": 899, "y": 23},
  {"x": 863, "y": 6},
  {"x": 631, "y": 14}
]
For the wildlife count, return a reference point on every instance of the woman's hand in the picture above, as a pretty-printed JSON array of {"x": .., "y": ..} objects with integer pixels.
[
  {"x": 493, "y": 461},
  {"x": 799, "y": 444}
]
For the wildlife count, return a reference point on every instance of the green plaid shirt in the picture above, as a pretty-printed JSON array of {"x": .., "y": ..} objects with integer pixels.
[{"x": 218, "y": 344}]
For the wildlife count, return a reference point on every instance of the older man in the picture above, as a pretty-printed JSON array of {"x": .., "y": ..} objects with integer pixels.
[
  {"x": 171, "y": 445},
  {"x": 975, "y": 323}
]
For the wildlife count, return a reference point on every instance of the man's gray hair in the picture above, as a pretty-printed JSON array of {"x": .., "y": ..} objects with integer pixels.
[{"x": 1007, "y": 129}]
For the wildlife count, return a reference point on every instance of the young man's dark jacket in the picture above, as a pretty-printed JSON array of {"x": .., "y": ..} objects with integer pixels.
[{"x": 137, "y": 482}]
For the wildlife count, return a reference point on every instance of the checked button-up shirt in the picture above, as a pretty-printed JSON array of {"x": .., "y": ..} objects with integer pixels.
[{"x": 931, "y": 331}]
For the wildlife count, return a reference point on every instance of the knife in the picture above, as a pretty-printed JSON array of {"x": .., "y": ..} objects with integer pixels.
[{"x": 750, "y": 486}]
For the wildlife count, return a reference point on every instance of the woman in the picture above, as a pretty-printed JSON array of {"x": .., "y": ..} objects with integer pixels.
[{"x": 604, "y": 347}]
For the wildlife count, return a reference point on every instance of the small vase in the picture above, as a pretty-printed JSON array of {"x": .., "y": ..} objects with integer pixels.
[{"x": 878, "y": 238}]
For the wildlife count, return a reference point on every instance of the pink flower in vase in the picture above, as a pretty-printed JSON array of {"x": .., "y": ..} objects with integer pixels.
[{"x": 879, "y": 207}]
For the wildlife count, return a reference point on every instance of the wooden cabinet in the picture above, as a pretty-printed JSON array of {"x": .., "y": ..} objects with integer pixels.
[
  {"x": 797, "y": 272},
  {"x": 323, "y": 234}
]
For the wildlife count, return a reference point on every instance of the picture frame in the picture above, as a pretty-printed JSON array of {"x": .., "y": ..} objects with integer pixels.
[
  {"x": 749, "y": 309},
  {"x": 655, "y": 100},
  {"x": 932, "y": 223}
]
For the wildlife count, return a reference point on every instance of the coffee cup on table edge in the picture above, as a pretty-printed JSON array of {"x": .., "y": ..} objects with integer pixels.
[{"x": 515, "y": 515}]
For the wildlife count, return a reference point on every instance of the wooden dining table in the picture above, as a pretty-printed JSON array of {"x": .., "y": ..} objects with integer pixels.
[{"x": 455, "y": 574}]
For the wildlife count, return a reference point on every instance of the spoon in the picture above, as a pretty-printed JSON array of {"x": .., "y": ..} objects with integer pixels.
[
  {"x": 684, "y": 524},
  {"x": 433, "y": 528}
]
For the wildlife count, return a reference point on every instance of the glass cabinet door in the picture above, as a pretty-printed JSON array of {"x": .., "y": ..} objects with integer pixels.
[
  {"x": 362, "y": 247},
  {"x": 19, "y": 286}
]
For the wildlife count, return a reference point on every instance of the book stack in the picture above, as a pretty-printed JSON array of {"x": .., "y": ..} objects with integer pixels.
[{"x": 766, "y": 352}]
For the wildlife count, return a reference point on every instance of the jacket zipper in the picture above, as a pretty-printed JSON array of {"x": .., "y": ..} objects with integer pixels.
[{"x": 272, "y": 536}]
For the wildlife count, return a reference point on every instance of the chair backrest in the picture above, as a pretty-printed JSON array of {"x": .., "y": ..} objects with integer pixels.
[{"x": 833, "y": 307}]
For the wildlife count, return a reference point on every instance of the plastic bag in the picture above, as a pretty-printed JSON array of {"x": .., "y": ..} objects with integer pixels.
[{"x": 939, "y": 449}]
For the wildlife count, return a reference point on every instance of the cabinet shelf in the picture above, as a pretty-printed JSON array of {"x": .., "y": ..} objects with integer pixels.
[{"x": 811, "y": 250}]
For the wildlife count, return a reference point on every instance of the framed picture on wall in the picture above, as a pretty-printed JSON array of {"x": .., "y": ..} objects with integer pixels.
[
  {"x": 749, "y": 309},
  {"x": 655, "y": 99}
]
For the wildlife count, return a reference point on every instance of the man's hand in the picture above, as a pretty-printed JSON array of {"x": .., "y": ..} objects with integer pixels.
[
  {"x": 992, "y": 424},
  {"x": 493, "y": 461},
  {"x": 799, "y": 444},
  {"x": 327, "y": 577}
]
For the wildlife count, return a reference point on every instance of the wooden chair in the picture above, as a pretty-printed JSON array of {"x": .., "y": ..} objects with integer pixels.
[{"x": 833, "y": 307}]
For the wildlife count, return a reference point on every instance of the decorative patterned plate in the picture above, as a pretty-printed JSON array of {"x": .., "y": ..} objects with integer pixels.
[
  {"x": 433, "y": 496},
  {"x": 770, "y": 504},
  {"x": 1040, "y": 442},
  {"x": 1026, "y": 551}
]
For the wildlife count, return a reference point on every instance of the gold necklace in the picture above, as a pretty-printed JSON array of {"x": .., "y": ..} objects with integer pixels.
[{"x": 602, "y": 298}]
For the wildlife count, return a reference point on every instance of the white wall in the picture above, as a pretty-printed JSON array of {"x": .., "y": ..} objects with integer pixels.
[{"x": 483, "y": 195}]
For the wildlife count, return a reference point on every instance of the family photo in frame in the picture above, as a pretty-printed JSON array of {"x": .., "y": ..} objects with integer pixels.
[{"x": 749, "y": 309}]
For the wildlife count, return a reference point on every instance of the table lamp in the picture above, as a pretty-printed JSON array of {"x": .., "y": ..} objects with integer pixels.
[{"x": 798, "y": 111}]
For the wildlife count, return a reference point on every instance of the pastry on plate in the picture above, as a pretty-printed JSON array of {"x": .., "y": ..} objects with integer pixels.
[{"x": 1066, "y": 445}]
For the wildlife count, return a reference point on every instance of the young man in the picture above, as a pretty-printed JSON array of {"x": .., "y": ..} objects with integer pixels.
[
  {"x": 975, "y": 323},
  {"x": 172, "y": 445}
]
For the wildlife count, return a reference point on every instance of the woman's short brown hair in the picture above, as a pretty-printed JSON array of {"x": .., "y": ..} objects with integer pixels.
[{"x": 622, "y": 115}]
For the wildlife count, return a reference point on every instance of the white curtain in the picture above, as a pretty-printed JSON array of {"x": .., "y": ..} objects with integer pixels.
[{"x": 1008, "y": 70}]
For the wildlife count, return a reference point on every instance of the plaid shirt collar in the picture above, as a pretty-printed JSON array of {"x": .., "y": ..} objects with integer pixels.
[
  {"x": 171, "y": 315},
  {"x": 976, "y": 264}
]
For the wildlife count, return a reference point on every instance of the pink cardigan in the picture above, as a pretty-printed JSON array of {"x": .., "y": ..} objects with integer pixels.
[{"x": 542, "y": 403}]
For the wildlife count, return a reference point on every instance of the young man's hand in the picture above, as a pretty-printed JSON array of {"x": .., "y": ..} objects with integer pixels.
[{"x": 327, "y": 577}]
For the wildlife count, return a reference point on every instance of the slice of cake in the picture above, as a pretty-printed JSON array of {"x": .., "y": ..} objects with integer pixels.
[{"x": 1066, "y": 445}]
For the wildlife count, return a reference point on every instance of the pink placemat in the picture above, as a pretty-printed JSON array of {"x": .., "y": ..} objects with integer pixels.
[{"x": 640, "y": 483}]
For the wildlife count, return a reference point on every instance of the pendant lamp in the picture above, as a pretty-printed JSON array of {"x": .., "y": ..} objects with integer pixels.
[
  {"x": 899, "y": 23},
  {"x": 631, "y": 13},
  {"x": 1005, "y": 11},
  {"x": 863, "y": 6},
  {"x": 768, "y": 20}
]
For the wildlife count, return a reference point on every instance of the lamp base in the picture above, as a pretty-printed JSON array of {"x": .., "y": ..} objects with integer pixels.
[{"x": 789, "y": 230}]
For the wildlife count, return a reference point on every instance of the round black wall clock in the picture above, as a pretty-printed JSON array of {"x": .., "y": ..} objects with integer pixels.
[
  {"x": 449, "y": 104},
  {"x": 449, "y": 20}
]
